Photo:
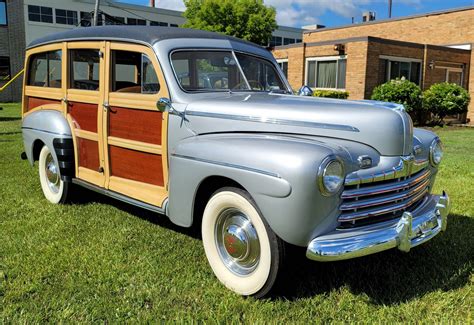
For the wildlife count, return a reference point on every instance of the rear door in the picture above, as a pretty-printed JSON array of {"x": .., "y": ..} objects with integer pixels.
[
  {"x": 84, "y": 98},
  {"x": 134, "y": 130}
]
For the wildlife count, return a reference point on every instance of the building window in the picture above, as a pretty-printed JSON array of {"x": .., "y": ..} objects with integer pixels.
[
  {"x": 276, "y": 41},
  {"x": 133, "y": 72},
  {"x": 135, "y": 21},
  {"x": 398, "y": 68},
  {"x": 174, "y": 25},
  {"x": 41, "y": 14},
  {"x": 66, "y": 17},
  {"x": 45, "y": 69},
  {"x": 3, "y": 13},
  {"x": 4, "y": 69},
  {"x": 85, "y": 65},
  {"x": 329, "y": 72},
  {"x": 284, "y": 66},
  {"x": 158, "y": 23},
  {"x": 299, "y": 40},
  {"x": 88, "y": 17},
  {"x": 287, "y": 41}
]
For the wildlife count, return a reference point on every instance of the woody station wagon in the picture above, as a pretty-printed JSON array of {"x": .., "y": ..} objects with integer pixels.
[{"x": 204, "y": 128}]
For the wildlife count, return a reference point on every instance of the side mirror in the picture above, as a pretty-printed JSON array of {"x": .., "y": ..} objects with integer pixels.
[
  {"x": 305, "y": 91},
  {"x": 163, "y": 104}
]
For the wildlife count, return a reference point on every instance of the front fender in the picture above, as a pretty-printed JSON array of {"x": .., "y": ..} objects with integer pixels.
[{"x": 279, "y": 172}]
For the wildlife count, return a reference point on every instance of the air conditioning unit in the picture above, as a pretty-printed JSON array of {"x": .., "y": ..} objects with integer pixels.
[{"x": 368, "y": 16}]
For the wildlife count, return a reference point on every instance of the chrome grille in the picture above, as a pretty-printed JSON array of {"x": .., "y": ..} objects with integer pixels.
[{"x": 368, "y": 202}]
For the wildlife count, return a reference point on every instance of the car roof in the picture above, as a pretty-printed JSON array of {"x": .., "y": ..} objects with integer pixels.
[{"x": 148, "y": 35}]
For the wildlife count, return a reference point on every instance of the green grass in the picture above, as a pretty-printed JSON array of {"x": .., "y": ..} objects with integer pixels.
[{"x": 101, "y": 260}]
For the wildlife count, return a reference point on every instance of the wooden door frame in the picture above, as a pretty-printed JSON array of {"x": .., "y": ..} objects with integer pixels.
[
  {"x": 148, "y": 193},
  {"x": 90, "y": 97}
]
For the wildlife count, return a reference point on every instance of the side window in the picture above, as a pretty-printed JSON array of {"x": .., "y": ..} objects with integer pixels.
[
  {"x": 133, "y": 72},
  {"x": 85, "y": 65},
  {"x": 44, "y": 69}
]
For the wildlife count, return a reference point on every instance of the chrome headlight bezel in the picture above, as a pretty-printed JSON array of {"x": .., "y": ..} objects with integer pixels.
[
  {"x": 323, "y": 169},
  {"x": 436, "y": 152}
]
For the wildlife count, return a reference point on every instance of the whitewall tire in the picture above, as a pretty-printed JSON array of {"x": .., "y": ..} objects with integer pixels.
[
  {"x": 54, "y": 189},
  {"x": 241, "y": 248}
]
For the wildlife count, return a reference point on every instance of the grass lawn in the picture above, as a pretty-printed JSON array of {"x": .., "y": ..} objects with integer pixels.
[{"x": 101, "y": 260}]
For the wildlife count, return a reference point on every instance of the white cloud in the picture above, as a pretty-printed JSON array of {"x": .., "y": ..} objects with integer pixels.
[{"x": 305, "y": 12}]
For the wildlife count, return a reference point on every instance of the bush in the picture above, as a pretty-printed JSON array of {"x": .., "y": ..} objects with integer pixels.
[
  {"x": 445, "y": 99},
  {"x": 400, "y": 91},
  {"x": 331, "y": 94}
]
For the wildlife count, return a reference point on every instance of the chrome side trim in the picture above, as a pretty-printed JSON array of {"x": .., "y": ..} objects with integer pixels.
[
  {"x": 250, "y": 169},
  {"x": 259, "y": 119},
  {"x": 121, "y": 197},
  {"x": 411, "y": 230},
  {"x": 34, "y": 129}
]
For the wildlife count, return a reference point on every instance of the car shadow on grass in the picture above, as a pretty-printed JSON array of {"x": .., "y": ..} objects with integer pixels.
[
  {"x": 390, "y": 277},
  {"x": 386, "y": 278}
]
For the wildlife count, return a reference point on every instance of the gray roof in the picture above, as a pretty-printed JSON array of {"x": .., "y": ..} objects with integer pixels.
[{"x": 138, "y": 34}]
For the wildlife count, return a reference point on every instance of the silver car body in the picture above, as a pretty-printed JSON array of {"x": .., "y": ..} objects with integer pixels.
[{"x": 273, "y": 144}]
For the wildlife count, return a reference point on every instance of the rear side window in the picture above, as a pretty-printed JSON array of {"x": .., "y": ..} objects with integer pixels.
[
  {"x": 133, "y": 72},
  {"x": 85, "y": 66},
  {"x": 45, "y": 69}
]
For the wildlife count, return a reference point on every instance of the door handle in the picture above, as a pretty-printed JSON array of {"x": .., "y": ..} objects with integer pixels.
[{"x": 106, "y": 106}]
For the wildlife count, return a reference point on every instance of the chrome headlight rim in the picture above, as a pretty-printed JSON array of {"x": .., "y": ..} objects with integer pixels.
[
  {"x": 435, "y": 143},
  {"x": 321, "y": 173}
]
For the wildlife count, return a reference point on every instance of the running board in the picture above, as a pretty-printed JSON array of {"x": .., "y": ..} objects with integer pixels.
[{"x": 121, "y": 197}]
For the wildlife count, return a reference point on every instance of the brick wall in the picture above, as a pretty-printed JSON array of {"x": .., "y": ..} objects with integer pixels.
[{"x": 12, "y": 44}]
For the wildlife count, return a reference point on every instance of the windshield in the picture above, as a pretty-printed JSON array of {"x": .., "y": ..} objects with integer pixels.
[{"x": 220, "y": 71}]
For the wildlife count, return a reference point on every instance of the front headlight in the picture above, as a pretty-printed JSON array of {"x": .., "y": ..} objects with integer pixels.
[
  {"x": 436, "y": 152},
  {"x": 331, "y": 175}
]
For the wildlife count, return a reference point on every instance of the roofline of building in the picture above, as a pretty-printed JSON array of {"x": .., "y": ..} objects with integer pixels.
[
  {"x": 369, "y": 39},
  {"x": 383, "y": 21}
]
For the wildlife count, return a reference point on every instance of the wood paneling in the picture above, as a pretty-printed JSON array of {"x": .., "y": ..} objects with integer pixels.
[
  {"x": 88, "y": 154},
  {"x": 84, "y": 115},
  {"x": 34, "y": 102},
  {"x": 135, "y": 124},
  {"x": 136, "y": 165}
]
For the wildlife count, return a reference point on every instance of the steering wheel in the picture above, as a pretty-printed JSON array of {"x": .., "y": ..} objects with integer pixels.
[{"x": 254, "y": 85}]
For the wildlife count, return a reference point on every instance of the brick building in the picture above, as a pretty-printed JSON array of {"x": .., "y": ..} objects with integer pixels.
[{"x": 426, "y": 49}]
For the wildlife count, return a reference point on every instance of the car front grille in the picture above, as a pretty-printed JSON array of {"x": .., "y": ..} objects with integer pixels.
[{"x": 379, "y": 200}]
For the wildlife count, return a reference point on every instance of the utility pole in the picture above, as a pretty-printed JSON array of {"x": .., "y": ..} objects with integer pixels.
[
  {"x": 389, "y": 8},
  {"x": 96, "y": 13}
]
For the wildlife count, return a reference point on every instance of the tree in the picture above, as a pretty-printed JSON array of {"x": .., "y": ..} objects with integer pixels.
[{"x": 250, "y": 20}]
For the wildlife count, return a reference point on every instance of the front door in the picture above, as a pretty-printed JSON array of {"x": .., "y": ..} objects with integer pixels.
[{"x": 134, "y": 130}]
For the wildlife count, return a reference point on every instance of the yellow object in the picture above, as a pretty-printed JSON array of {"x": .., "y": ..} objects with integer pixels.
[{"x": 11, "y": 80}]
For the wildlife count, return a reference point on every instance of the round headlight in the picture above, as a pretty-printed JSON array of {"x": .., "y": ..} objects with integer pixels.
[
  {"x": 331, "y": 176},
  {"x": 436, "y": 152}
]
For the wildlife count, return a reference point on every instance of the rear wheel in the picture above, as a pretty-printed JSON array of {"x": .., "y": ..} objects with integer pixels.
[
  {"x": 54, "y": 189},
  {"x": 243, "y": 251}
]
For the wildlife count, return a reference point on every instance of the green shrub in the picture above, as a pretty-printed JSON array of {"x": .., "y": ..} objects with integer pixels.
[
  {"x": 331, "y": 94},
  {"x": 400, "y": 91},
  {"x": 444, "y": 98}
]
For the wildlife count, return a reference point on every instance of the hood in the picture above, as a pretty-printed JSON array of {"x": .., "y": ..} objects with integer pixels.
[{"x": 384, "y": 126}]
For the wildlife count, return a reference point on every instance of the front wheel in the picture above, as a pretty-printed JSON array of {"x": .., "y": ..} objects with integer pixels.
[
  {"x": 54, "y": 189},
  {"x": 243, "y": 251}
]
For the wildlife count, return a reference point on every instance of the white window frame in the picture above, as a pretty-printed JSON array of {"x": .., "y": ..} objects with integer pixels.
[
  {"x": 401, "y": 59},
  {"x": 325, "y": 58},
  {"x": 282, "y": 61},
  {"x": 451, "y": 69}
]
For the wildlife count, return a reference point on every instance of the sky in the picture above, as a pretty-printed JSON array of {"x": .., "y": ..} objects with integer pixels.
[{"x": 297, "y": 13}]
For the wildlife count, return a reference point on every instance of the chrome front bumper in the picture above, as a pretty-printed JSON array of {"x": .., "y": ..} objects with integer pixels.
[{"x": 411, "y": 230}]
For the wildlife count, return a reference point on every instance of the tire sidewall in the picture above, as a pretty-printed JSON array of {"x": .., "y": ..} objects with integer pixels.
[
  {"x": 252, "y": 283},
  {"x": 48, "y": 193}
]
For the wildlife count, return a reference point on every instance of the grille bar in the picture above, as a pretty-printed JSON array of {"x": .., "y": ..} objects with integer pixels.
[{"x": 380, "y": 189}]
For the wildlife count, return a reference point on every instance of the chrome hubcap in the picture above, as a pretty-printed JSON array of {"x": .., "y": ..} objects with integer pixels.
[
  {"x": 52, "y": 174},
  {"x": 237, "y": 241}
]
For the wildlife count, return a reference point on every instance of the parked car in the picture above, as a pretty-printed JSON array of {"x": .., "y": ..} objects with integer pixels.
[{"x": 204, "y": 129}]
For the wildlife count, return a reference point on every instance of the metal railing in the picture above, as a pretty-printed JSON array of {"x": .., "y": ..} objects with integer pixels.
[{"x": 11, "y": 80}]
